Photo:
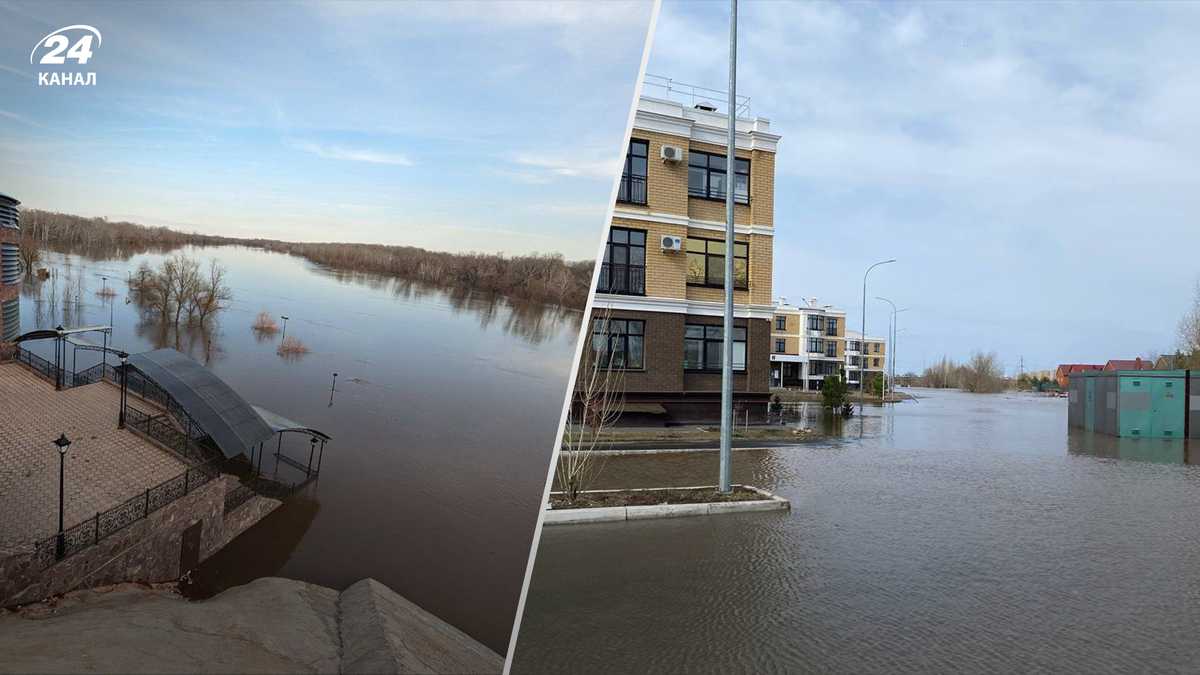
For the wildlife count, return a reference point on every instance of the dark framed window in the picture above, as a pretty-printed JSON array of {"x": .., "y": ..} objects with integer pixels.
[
  {"x": 707, "y": 177},
  {"x": 781, "y": 323},
  {"x": 853, "y": 345},
  {"x": 875, "y": 347},
  {"x": 816, "y": 345},
  {"x": 874, "y": 363},
  {"x": 816, "y": 322},
  {"x": 633, "y": 178},
  {"x": 623, "y": 270},
  {"x": 830, "y": 348},
  {"x": 702, "y": 346},
  {"x": 619, "y": 343},
  {"x": 831, "y": 325},
  {"x": 780, "y": 346},
  {"x": 824, "y": 368},
  {"x": 706, "y": 263},
  {"x": 855, "y": 360}
]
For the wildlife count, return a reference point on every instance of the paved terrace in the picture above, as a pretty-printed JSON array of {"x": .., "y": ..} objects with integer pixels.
[{"x": 104, "y": 467}]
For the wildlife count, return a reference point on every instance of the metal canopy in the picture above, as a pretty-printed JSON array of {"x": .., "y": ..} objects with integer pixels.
[
  {"x": 280, "y": 424},
  {"x": 232, "y": 423}
]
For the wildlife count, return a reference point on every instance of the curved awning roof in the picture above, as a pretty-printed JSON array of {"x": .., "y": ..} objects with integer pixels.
[
  {"x": 232, "y": 423},
  {"x": 280, "y": 424}
]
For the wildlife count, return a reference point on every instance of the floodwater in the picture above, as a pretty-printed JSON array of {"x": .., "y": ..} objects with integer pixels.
[
  {"x": 443, "y": 421},
  {"x": 959, "y": 533}
]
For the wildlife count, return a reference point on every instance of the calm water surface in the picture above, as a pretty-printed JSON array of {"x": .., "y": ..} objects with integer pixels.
[
  {"x": 443, "y": 422},
  {"x": 961, "y": 532}
]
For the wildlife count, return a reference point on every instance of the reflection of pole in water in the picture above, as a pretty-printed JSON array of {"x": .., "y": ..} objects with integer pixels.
[{"x": 332, "y": 389}]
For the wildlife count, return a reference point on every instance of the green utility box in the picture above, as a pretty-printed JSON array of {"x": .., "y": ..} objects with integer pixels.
[{"x": 1133, "y": 403}]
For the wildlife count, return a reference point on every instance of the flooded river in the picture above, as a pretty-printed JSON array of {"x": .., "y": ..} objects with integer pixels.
[
  {"x": 443, "y": 421},
  {"x": 961, "y": 532}
]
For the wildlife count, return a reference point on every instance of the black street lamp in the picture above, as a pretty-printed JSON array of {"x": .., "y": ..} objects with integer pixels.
[
  {"x": 312, "y": 447},
  {"x": 63, "y": 443},
  {"x": 124, "y": 389},
  {"x": 284, "y": 336}
]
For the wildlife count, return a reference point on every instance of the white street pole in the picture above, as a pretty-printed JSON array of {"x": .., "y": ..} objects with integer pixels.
[
  {"x": 862, "y": 346},
  {"x": 727, "y": 343}
]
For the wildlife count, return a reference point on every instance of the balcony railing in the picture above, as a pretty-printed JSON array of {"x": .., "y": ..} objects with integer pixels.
[
  {"x": 622, "y": 279},
  {"x": 632, "y": 190}
]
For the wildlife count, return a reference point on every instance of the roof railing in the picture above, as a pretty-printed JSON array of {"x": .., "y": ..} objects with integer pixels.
[{"x": 693, "y": 95}]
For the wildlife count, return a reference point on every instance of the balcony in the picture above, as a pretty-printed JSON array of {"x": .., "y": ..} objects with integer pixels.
[
  {"x": 632, "y": 189},
  {"x": 622, "y": 279}
]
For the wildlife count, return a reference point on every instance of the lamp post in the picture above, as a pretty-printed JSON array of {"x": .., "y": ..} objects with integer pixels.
[
  {"x": 124, "y": 389},
  {"x": 726, "y": 468},
  {"x": 862, "y": 345},
  {"x": 284, "y": 336},
  {"x": 892, "y": 342},
  {"x": 62, "y": 442}
]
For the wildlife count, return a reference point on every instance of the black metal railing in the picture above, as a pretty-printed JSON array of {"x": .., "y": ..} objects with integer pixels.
[
  {"x": 632, "y": 189},
  {"x": 40, "y": 366},
  {"x": 91, "y": 531},
  {"x": 158, "y": 428},
  {"x": 622, "y": 279},
  {"x": 263, "y": 487},
  {"x": 237, "y": 496}
]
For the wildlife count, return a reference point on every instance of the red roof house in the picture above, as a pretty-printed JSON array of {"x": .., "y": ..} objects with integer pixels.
[
  {"x": 1063, "y": 374},
  {"x": 1129, "y": 364}
]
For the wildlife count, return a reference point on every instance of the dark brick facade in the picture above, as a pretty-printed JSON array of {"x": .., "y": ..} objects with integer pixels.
[{"x": 696, "y": 396}]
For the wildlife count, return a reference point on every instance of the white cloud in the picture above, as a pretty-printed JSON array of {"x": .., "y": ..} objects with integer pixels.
[
  {"x": 561, "y": 166},
  {"x": 911, "y": 29},
  {"x": 353, "y": 154}
]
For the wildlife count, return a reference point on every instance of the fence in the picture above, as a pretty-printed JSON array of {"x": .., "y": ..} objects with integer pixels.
[
  {"x": 39, "y": 365},
  {"x": 49, "y": 550},
  {"x": 263, "y": 487},
  {"x": 158, "y": 429}
]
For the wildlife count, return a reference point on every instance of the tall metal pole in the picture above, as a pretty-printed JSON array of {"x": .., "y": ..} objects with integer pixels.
[
  {"x": 60, "y": 547},
  {"x": 727, "y": 342},
  {"x": 862, "y": 345}
]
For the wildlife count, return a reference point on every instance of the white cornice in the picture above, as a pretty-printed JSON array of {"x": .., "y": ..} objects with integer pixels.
[
  {"x": 671, "y": 117},
  {"x": 684, "y": 221},
  {"x": 637, "y": 303}
]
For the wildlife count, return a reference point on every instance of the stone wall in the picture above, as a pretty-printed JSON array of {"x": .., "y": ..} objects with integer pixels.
[{"x": 147, "y": 550}]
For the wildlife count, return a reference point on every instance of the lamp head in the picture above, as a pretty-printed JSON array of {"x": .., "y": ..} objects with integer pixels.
[{"x": 63, "y": 443}]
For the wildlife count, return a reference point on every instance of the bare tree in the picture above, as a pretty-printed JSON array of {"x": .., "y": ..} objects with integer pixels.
[
  {"x": 596, "y": 405},
  {"x": 212, "y": 295},
  {"x": 1189, "y": 327},
  {"x": 982, "y": 374}
]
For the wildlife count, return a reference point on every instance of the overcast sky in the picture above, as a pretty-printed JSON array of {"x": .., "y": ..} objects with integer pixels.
[
  {"x": 454, "y": 126},
  {"x": 1034, "y": 167}
]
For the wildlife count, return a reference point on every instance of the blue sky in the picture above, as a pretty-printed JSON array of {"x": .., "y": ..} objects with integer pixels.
[
  {"x": 455, "y": 126},
  {"x": 1034, "y": 167}
]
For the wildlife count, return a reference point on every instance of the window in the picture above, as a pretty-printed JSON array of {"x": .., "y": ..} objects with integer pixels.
[
  {"x": 854, "y": 361},
  {"x": 831, "y": 325},
  {"x": 781, "y": 323},
  {"x": 875, "y": 347},
  {"x": 780, "y": 346},
  {"x": 702, "y": 347},
  {"x": 633, "y": 178},
  {"x": 707, "y": 177},
  {"x": 816, "y": 322},
  {"x": 830, "y": 348},
  {"x": 852, "y": 345},
  {"x": 706, "y": 263},
  {"x": 816, "y": 345},
  {"x": 624, "y": 268},
  {"x": 621, "y": 345},
  {"x": 874, "y": 363}
]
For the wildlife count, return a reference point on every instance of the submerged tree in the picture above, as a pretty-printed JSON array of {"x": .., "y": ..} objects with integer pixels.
[
  {"x": 982, "y": 374},
  {"x": 833, "y": 393}
]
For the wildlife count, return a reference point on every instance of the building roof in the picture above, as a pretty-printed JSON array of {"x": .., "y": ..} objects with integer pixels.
[
  {"x": 9, "y": 200},
  {"x": 1129, "y": 364},
  {"x": 232, "y": 423},
  {"x": 1068, "y": 368}
]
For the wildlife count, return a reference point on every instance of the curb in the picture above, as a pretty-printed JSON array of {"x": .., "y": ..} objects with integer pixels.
[{"x": 613, "y": 514}]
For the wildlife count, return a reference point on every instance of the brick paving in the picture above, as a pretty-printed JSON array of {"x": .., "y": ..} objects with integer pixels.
[{"x": 104, "y": 467}]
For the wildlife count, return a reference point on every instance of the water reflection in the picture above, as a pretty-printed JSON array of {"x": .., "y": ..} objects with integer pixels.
[{"x": 1156, "y": 450}]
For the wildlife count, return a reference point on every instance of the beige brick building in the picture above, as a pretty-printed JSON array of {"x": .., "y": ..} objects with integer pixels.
[
  {"x": 662, "y": 273},
  {"x": 870, "y": 357},
  {"x": 808, "y": 344}
]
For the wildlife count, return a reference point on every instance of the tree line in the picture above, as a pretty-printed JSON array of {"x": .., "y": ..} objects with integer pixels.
[
  {"x": 981, "y": 374},
  {"x": 538, "y": 277}
]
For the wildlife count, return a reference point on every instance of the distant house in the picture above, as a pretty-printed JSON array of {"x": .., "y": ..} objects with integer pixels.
[
  {"x": 1128, "y": 364},
  {"x": 1063, "y": 374}
]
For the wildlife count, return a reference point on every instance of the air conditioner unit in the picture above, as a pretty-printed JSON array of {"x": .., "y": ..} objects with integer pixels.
[
  {"x": 671, "y": 153},
  {"x": 670, "y": 243}
]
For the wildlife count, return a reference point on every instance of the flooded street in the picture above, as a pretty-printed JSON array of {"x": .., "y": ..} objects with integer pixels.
[
  {"x": 960, "y": 532},
  {"x": 443, "y": 421}
]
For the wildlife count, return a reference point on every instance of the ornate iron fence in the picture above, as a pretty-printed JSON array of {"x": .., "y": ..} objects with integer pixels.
[
  {"x": 237, "y": 496},
  {"x": 39, "y": 365},
  {"x": 91, "y": 531},
  {"x": 159, "y": 429}
]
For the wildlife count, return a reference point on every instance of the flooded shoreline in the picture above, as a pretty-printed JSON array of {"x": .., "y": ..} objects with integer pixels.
[{"x": 443, "y": 420}]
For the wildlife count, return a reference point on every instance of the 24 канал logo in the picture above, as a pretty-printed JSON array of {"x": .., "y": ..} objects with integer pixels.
[{"x": 61, "y": 48}]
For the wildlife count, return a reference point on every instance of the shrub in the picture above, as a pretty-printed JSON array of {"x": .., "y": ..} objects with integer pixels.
[{"x": 265, "y": 323}]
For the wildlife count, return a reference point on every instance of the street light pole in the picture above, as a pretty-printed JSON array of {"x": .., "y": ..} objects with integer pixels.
[
  {"x": 862, "y": 345},
  {"x": 726, "y": 471},
  {"x": 284, "y": 336},
  {"x": 63, "y": 444}
]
